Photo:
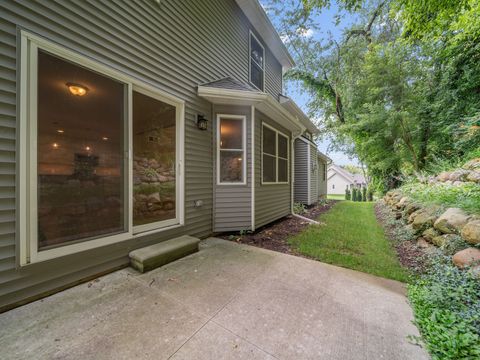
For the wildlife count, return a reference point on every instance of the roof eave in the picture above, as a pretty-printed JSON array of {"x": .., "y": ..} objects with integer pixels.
[
  {"x": 262, "y": 24},
  {"x": 296, "y": 111}
]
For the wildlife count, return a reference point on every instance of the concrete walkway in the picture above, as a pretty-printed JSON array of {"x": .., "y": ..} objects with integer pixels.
[{"x": 228, "y": 301}]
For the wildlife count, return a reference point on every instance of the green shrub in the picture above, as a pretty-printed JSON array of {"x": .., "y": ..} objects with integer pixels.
[
  {"x": 369, "y": 194},
  {"x": 354, "y": 194},
  {"x": 465, "y": 196},
  {"x": 299, "y": 208},
  {"x": 364, "y": 193},
  {"x": 446, "y": 303},
  {"x": 347, "y": 194}
]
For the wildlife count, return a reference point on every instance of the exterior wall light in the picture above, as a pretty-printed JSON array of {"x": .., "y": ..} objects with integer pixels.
[
  {"x": 202, "y": 123},
  {"x": 77, "y": 89}
]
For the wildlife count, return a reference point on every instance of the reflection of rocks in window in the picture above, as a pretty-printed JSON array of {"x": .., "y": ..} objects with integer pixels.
[
  {"x": 84, "y": 166},
  {"x": 231, "y": 166}
]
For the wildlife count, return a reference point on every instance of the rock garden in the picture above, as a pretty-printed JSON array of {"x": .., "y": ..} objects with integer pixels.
[{"x": 434, "y": 223}]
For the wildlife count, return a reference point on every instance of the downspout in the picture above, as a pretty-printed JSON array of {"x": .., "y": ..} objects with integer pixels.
[{"x": 253, "y": 180}]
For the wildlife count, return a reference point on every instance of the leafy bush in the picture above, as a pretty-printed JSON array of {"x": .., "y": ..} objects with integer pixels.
[
  {"x": 369, "y": 194},
  {"x": 347, "y": 194},
  {"x": 446, "y": 303},
  {"x": 299, "y": 208},
  {"x": 364, "y": 193},
  {"x": 465, "y": 196}
]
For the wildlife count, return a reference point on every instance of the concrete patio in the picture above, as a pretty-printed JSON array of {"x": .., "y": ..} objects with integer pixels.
[{"x": 228, "y": 301}]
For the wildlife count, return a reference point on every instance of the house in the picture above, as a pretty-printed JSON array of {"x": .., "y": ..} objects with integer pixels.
[
  {"x": 310, "y": 183},
  {"x": 340, "y": 179},
  {"x": 125, "y": 124}
]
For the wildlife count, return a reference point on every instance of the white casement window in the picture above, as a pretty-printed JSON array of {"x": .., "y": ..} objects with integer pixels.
[
  {"x": 256, "y": 63},
  {"x": 231, "y": 149},
  {"x": 275, "y": 155},
  {"x": 101, "y": 154}
]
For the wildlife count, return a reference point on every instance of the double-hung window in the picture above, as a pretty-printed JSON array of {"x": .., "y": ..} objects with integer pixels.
[
  {"x": 275, "y": 155},
  {"x": 101, "y": 154},
  {"x": 231, "y": 145},
  {"x": 257, "y": 63}
]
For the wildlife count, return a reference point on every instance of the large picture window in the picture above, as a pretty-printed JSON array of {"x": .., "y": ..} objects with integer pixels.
[
  {"x": 275, "y": 155},
  {"x": 231, "y": 134},
  {"x": 100, "y": 154},
  {"x": 257, "y": 63}
]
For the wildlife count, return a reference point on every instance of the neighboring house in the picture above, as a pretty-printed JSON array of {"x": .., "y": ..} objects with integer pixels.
[
  {"x": 310, "y": 170},
  {"x": 340, "y": 179},
  {"x": 124, "y": 124}
]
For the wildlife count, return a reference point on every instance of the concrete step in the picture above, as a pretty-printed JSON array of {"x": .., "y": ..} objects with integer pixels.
[{"x": 153, "y": 256}]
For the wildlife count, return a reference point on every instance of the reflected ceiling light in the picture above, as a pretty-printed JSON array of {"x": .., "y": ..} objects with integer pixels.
[
  {"x": 60, "y": 131},
  {"x": 77, "y": 89},
  {"x": 104, "y": 138},
  {"x": 55, "y": 145},
  {"x": 87, "y": 148}
]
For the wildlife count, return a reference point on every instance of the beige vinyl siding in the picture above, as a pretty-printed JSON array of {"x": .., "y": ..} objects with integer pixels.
[
  {"x": 173, "y": 46},
  {"x": 313, "y": 175},
  {"x": 322, "y": 181},
  {"x": 272, "y": 201},
  {"x": 233, "y": 203},
  {"x": 301, "y": 172}
]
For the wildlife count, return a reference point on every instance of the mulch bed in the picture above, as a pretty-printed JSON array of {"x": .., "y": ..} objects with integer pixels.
[
  {"x": 409, "y": 254},
  {"x": 274, "y": 236}
]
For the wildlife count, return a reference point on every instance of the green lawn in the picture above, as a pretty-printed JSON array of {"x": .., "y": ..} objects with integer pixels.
[
  {"x": 352, "y": 238},
  {"x": 336, "y": 197}
]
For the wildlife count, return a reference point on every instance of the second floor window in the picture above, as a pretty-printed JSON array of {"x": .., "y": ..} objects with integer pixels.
[{"x": 257, "y": 63}]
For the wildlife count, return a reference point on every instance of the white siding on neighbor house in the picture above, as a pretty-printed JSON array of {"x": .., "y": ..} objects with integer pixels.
[
  {"x": 337, "y": 185},
  {"x": 233, "y": 203},
  {"x": 171, "y": 45}
]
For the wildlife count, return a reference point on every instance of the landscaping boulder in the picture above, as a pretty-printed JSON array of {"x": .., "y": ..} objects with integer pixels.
[
  {"x": 471, "y": 232},
  {"x": 423, "y": 244},
  {"x": 424, "y": 219},
  {"x": 467, "y": 257},
  {"x": 452, "y": 221},
  {"x": 430, "y": 233},
  {"x": 404, "y": 201},
  {"x": 472, "y": 164},
  {"x": 443, "y": 240},
  {"x": 459, "y": 175},
  {"x": 411, "y": 208},
  {"x": 474, "y": 176},
  {"x": 444, "y": 176}
]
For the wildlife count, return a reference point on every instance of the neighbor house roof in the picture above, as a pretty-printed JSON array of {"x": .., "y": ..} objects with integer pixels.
[
  {"x": 255, "y": 13},
  {"x": 354, "y": 179}
]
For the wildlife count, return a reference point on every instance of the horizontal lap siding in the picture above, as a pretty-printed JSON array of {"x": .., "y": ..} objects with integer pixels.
[
  {"x": 301, "y": 172},
  {"x": 233, "y": 206},
  {"x": 271, "y": 201},
  {"x": 173, "y": 46},
  {"x": 313, "y": 175},
  {"x": 322, "y": 181}
]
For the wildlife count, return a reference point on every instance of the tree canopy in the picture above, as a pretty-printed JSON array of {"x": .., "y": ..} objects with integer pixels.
[{"x": 400, "y": 88}]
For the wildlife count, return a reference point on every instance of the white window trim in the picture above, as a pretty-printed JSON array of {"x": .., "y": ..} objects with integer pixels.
[
  {"x": 251, "y": 34},
  {"x": 27, "y": 232},
  {"x": 243, "y": 119},
  {"x": 276, "y": 156}
]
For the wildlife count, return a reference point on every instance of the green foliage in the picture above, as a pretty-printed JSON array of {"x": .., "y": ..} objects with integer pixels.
[
  {"x": 465, "y": 196},
  {"x": 369, "y": 194},
  {"x": 345, "y": 241},
  {"x": 446, "y": 303},
  {"x": 354, "y": 194},
  {"x": 401, "y": 89},
  {"x": 364, "y": 193},
  {"x": 299, "y": 208},
  {"x": 348, "y": 194},
  {"x": 166, "y": 188}
]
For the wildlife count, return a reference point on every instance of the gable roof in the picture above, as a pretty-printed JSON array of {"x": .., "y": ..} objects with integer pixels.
[
  {"x": 352, "y": 178},
  {"x": 262, "y": 24},
  {"x": 230, "y": 83}
]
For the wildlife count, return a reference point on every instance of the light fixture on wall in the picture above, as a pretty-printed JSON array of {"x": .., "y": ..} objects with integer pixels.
[
  {"x": 77, "y": 89},
  {"x": 202, "y": 123}
]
